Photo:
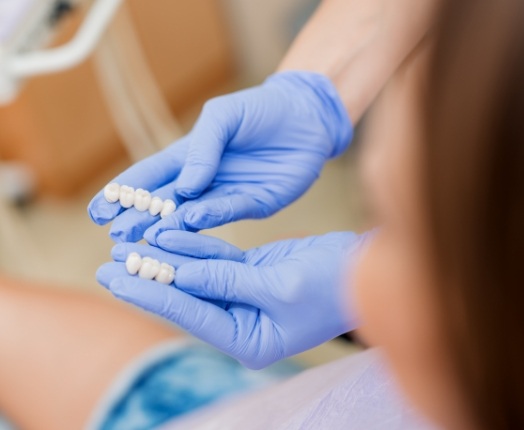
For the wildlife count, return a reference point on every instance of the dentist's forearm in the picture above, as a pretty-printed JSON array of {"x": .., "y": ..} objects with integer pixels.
[{"x": 359, "y": 44}]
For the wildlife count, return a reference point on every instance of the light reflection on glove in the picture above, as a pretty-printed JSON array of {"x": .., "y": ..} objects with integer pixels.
[
  {"x": 258, "y": 306},
  {"x": 250, "y": 154}
]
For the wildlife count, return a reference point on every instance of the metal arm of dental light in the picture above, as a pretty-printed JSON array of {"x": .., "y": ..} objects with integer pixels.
[{"x": 64, "y": 57}]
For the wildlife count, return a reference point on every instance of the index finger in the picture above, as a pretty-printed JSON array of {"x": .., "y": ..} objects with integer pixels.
[{"x": 149, "y": 174}]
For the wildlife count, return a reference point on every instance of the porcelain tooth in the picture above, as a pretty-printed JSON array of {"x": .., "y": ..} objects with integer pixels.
[
  {"x": 149, "y": 269},
  {"x": 127, "y": 196},
  {"x": 156, "y": 206},
  {"x": 168, "y": 208},
  {"x": 166, "y": 275},
  {"x": 112, "y": 192},
  {"x": 133, "y": 263},
  {"x": 142, "y": 200}
]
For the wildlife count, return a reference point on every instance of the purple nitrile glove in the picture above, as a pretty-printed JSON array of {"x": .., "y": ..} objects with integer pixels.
[
  {"x": 258, "y": 306},
  {"x": 250, "y": 154}
]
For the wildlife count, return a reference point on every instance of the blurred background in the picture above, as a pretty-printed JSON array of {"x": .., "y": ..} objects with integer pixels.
[{"x": 65, "y": 135}]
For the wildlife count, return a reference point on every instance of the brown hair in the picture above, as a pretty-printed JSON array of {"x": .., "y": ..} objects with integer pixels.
[{"x": 474, "y": 164}]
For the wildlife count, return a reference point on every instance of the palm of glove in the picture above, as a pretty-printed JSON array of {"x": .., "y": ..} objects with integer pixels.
[
  {"x": 250, "y": 154},
  {"x": 298, "y": 296},
  {"x": 276, "y": 149},
  {"x": 271, "y": 303}
]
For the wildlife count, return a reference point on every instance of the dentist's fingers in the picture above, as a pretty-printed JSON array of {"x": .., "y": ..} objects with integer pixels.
[
  {"x": 177, "y": 220},
  {"x": 110, "y": 271},
  {"x": 220, "y": 205},
  {"x": 227, "y": 281},
  {"x": 130, "y": 225},
  {"x": 121, "y": 251},
  {"x": 214, "y": 212},
  {"x": 149, "y": 174},
  {"x": 100, "y": 211},
  {"x": 215, "y": 126},
  {"x": 240, "y": 198},
  {"x": 202, "y": 319},
  {"x": 198, "y": 246}
]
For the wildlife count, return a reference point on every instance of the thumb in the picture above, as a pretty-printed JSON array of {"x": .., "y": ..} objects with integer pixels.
[
  {"x": 228, "y": 281},
  {"x": 214, "y": 212},
  {"x": 198, "y": 245},
  {"x": 218, "y": 121}
]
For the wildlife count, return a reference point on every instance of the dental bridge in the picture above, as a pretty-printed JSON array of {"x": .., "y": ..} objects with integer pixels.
[
  {"x": 150, "y": 269},
  {"x": 140, "y": 199}
]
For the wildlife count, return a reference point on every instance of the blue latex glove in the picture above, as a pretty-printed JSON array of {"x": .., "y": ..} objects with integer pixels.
[
  {"x": 268, "y": 303},
  {"x": 250, "y": 154}
]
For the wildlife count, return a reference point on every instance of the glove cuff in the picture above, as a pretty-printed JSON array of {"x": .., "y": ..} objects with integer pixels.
[{"x": 332, "y": 110}]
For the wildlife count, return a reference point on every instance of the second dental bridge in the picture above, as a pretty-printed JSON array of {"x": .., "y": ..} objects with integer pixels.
[
  {"x": 139, "y": 198},
  {"x": 149, "y": 268}
]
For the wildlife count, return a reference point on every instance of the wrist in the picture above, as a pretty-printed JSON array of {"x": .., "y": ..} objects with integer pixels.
[{"x": 325, "y": 98}]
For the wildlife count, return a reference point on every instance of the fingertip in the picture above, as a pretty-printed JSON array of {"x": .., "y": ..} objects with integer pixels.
[
  {"x": 150, "y": 235},
  {"x": 200, "y": 218},
  {"x": 171, "y": 240},
  {"x": 118, "y": 287},
  {"x": 102, "y": 276},
  {"x": 193, "y": 180},
  {"x": 118, "y": 236},
  {"x": 128, "y": 289},
  {"x": 163, "y": 241},
  {"x": 187, "y": 274},
  {"x": 119, "y": 252},
  {"x": 198, "y": 246},
  {"x": 175, "y": 221},
  {"x": 214, "y": 212},
  {"x": 197, "y": 273},
  {"x": 132, "y": 233},
  {"x": 101, "y": 212},
  {"x": 186, "y": 193},
  {"x": 192, "y": 217}
]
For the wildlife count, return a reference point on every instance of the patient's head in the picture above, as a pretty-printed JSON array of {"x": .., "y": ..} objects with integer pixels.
[{"x": 441, "y": 286}]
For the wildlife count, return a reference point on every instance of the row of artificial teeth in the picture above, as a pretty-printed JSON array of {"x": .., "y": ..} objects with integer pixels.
[
  {"x": 149, "y": 268},
  {"x": 139, "y": 198}
]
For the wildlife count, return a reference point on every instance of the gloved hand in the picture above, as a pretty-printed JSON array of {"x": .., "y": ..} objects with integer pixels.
[
  {"x": 250, "y": 154},
  {"x": 258, "y": 306}
]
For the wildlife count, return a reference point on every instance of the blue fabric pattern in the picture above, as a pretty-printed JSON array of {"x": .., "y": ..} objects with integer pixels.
[{"x": 185, "y": 380}]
